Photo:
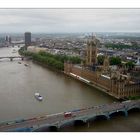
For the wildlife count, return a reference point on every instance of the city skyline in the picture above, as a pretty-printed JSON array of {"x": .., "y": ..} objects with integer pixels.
[{"x": 69, "y": 20}]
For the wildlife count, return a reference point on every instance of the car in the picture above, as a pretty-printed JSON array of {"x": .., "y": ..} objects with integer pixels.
[{"x": 67, "y": 114}]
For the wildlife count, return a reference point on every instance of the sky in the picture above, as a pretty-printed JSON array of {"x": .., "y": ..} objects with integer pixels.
[{"x": 69, "y": 20}]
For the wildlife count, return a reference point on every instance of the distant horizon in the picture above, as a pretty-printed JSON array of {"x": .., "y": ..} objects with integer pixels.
[{"x": 69, "y": 32}]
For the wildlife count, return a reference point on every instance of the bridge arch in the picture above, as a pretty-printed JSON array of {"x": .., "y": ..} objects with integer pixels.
[
  {"x": 42, "y": 129},
  {"x": 133, "y": 109},
  {"x": 118, "y": 113},
  {"x": 53, "y": 128},
  {"x": 98, "y": 117},
  {"x": 79, "y": 122},
  {"x": 67, "y": 123}
]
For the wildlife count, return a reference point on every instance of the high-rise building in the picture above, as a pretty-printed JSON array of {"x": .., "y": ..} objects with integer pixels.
[{"x": 27, "y": 39}]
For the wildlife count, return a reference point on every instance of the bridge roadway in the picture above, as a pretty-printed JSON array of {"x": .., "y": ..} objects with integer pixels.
[
  {"x": 84, "y": 115},
  {"x": 12, "y": 57}
]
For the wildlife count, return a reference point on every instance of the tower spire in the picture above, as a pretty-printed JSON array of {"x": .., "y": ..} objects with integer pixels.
[{"x": 91, "y": 52}]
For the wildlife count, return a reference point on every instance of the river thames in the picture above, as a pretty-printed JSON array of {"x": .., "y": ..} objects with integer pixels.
[{"x": 18, "y": 83}]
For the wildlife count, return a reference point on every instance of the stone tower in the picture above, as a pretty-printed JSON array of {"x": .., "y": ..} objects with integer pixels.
[
  {"x": 106, "y": 63},
  {"x": 91, "y": 51}
]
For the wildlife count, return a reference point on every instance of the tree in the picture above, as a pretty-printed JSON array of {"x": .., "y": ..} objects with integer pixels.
[
  {"x": 115, "y": 61},
  {"x": 130, "y": 65},
  {"x": 100, "y": 59},
  {"x": 55, "y": 61}
]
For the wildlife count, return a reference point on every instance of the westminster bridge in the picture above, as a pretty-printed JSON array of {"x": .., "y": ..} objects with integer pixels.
[
  {"x": 12, "y": 57},
  {"x": 75, "y": 117}
]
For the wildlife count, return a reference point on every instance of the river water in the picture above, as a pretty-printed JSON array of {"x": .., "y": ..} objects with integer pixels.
[{"x": 18, "y": 84}]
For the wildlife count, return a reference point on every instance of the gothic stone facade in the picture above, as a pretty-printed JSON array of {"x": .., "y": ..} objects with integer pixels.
[
  {"x": 114, "y": 86},
  {"x": 91, "y": 51}
]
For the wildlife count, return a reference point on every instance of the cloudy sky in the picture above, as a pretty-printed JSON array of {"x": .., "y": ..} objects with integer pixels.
[{"x": 69, "y": 20}]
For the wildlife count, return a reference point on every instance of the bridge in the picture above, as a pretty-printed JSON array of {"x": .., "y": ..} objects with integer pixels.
[
  {"x": 79, "y": 116},
  {"x": 12, "y": 57}
]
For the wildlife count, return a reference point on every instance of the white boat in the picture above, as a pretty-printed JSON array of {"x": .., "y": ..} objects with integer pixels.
[
  {"x": 26, "y": 65},
  {"x": 38, "y": 97}
]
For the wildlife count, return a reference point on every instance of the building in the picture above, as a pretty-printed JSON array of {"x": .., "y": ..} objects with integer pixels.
[
  {"x": 35, "y": 49},
  {"x": 112, "y": 82},
  {"x": 138, "y": 61},
  {"x": 27, "y": 39},
  {"x": 137, "y": 66},
  {"x": 106, "y": 64},
  {"x": 7, "y": 39},
  {"x": 91, "y": 51}
]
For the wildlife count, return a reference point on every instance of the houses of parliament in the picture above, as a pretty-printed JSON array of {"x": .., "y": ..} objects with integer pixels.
[{"x": 111, "y": 81}]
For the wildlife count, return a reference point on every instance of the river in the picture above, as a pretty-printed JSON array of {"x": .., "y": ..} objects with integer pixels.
[{"x": 18, "y": 84}]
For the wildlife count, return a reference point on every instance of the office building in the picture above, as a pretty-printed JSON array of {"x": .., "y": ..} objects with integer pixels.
[{"x": 27, "y": 39}]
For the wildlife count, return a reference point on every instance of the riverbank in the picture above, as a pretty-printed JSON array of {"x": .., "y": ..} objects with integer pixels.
[
  {"x": 88, "y": 83},
  {"x": 46, "y": 66},
  {"x": 55, "y": 61},
  {"x": 134, "y": 97},
  {"x": 91, "y": 84}
]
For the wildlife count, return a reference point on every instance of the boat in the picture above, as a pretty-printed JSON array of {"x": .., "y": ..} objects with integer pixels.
[
  {"x": 38, "y": 97},
  {"x": 26, "y": 65}
]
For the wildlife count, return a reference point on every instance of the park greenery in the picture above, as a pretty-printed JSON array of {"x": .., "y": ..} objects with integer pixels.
[
  {"x": 115, "y": 61},
  {"x": 53, "y": 60},
  {"x": 134, "y": 97},
  {"x": 130, "y": 65},
  {"x": 112, "y": 60},
  {"x": 100, "y": 59}
]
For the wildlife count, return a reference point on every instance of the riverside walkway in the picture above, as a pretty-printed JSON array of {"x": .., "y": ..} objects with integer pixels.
[{"x": 84, "y": 115}]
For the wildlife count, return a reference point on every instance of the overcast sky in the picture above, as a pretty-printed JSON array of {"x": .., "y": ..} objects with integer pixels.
[{"x": 69, "y": 20}]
